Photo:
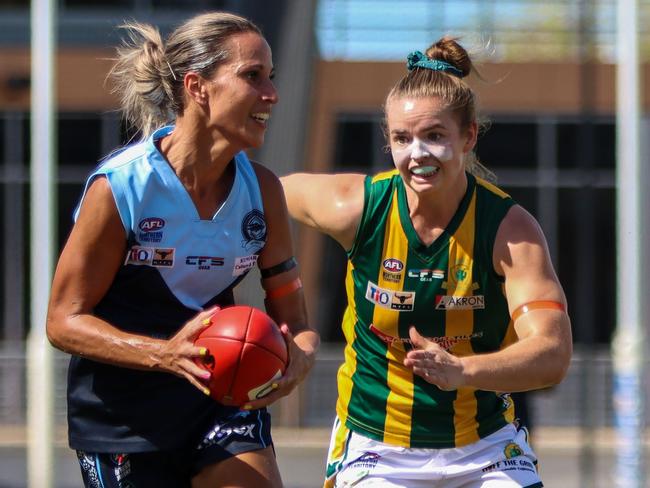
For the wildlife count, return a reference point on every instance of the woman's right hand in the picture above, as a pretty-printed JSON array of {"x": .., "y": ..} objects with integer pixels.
[{"x": 179, "y": 354}]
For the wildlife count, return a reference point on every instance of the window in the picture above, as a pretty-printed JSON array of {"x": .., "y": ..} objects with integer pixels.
[
  {"x": 83, "y": 138},
  {"x": 586, "y": 145},
  {"x": 508, "y": 144},
  {"x": 80, "y": 141}
]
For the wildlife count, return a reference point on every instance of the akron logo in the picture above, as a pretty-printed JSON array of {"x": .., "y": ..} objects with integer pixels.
[
  {"x": 449, "y": 302},
  {"x": 253, "y": 229}
]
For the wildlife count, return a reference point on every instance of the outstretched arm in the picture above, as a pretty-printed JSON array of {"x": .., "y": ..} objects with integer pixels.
[
  {"x": 329, "y": 203},
  {"x": 541, "y": 355},
  {"x": 285, "y": 301}
]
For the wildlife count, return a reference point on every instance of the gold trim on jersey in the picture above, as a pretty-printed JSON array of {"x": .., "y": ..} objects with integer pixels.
[
  {"x": 349, "y": 366},
  {"x": 494, "y": 189},
  {"x": 460, "y": 322},
  {"x": 399, "y": 379},
  {"x": 384, "y": 175}
]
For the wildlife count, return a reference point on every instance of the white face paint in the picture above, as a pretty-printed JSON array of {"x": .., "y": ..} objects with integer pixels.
[{"x": 419, "y": 149}]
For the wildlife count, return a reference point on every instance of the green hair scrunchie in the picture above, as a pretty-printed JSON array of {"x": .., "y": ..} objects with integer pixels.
[{"x": 417, "y": 59}]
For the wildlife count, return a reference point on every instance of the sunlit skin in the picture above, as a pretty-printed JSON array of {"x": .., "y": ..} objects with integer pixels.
[
  {"x": 241, "y": 92},
  {"x": 436, "y": 175},
  {"x": 223, "y": 115}
]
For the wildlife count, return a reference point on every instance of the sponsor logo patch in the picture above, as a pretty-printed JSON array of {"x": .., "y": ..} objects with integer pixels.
[
  {"x": 151, "y": 224},
  {"x": 150, "y": 256},
  {"x": 392, "y": 270},
  {"x": 150, "y": 229},
  {"x": 204, "y": 262},
  {"x": 378, "y": 296},
  {"x": 163, "y": 257},
  {"x": 426, "y": 274},
  {"x": 402, "y": 301},
  {"x": 243, "y": 264},
  {"x": 393, "y": 265},
  {"x": 446, "y": 342},
  {"x": 451, "y": 302},
  {"x": 224, "y": 431},
  {"x": 367, "y": 460}
]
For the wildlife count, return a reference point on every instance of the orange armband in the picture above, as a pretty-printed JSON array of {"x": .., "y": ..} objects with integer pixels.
[
  {"x": 283, "y": 290},
  {"x": 537, "y": 305}
]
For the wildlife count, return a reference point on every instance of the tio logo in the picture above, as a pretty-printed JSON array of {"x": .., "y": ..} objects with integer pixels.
[
  {"x": 139, "y": 255},
  {"x": 379, "y": 296}
]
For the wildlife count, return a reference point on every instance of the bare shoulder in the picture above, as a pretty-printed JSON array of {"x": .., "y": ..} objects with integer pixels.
[
  {"x": 519, "y": 225},
  {"x": 265, "y": 176},
  {"x": 519, "y": 242},
  {"x": 270, "y": 186},
  {"x": 98, "y": 204}
]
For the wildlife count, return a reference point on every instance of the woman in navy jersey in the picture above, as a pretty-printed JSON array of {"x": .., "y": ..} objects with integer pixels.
[{"x": 165, "y": 229}]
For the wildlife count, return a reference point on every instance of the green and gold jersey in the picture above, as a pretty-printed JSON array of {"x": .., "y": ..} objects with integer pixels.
[{"x": 449, "y": 291}]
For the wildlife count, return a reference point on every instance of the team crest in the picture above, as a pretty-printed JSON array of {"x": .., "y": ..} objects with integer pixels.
[
  {"x": 512, "y": 450},
  {"x": 253, "y": 229},
  {"x": 459, "y": 273}
]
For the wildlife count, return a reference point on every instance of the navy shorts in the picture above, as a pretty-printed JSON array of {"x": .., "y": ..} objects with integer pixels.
[{"x": 237, "y": 432}]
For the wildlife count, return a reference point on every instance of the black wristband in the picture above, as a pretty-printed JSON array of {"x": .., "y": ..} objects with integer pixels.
[{"x": 279, "y": 268}]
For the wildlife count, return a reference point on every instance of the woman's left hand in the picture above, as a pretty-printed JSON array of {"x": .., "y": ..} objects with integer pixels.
[
  {"x": 432, "y": 363},
  {"x": 299, "y": 364}
]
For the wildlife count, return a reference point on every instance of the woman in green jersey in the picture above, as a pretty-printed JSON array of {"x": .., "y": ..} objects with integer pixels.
[{"x": 452, "y": 298}]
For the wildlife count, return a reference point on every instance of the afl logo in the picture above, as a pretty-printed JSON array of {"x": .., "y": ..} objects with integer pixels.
[
  {"x": 253, "y": 229},
  {"x": 151, "y": 224},
  {"x": 393, "y": 265}
]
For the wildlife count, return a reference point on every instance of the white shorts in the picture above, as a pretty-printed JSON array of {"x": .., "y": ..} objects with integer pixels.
[{"x": 501, "y": 460}]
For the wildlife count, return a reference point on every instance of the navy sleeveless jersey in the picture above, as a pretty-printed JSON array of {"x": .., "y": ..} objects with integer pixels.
[{"x": 176, "y": 264}]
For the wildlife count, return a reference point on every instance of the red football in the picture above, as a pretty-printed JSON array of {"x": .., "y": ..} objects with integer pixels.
[{"x": 246, "y": 354}]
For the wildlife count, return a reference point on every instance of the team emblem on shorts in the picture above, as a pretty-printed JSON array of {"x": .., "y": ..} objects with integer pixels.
[
  {"x": 512, "y": 450},
  {"x": 253, "y": 229}
]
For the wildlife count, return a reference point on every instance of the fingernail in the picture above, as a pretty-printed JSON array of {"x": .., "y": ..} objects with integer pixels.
[
  {"x": 206, "y": 322},
  {"x": 246, "y": 407},
  {"x": 206, "y": 375},
  {"x": 274, "y": 385},
  {"x": 206, "y": 391},
  {"x": 203, "y": 351}
]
